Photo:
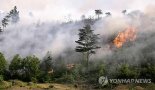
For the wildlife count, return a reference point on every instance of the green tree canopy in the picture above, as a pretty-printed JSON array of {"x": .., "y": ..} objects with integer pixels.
[
  {"x": 3, "y": 63},
  {"x": 87, "y": 41},
  {"x": 15, "y": 66},
  {"x": 47, "y": 63},
  {"x": 30, "y": 66},
  {"x": 46, "y": 68}
]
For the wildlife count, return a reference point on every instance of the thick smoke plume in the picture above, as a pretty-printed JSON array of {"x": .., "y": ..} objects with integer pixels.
[
  {"x": 141, "y": 49},
  {"x": 38, "y": 38}
]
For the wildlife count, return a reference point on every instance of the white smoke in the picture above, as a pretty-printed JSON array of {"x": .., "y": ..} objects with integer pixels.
[
  {"x": 30, "y": 37},
  {"x": 137, "y": 51},
  {"x": 47, "y": 10}
]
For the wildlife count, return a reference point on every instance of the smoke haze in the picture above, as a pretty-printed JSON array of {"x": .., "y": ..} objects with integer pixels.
[
  {"x": 38, "y": 32},
  {"x": 46, "y": 10}
]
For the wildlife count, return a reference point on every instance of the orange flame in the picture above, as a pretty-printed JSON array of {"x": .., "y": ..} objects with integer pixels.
[{"x": 128, "y": 35}]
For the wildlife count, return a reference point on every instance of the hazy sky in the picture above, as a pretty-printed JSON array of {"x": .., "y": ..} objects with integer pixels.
[{"x": 62, "y": 9}]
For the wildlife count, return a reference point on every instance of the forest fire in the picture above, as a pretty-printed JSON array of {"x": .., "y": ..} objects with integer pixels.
[{"x": 128, "y": 35}]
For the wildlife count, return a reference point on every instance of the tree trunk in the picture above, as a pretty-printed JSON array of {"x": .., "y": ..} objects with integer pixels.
[
  {"x": 98, "y": 16},
  {"x": 87, "y": 58}
]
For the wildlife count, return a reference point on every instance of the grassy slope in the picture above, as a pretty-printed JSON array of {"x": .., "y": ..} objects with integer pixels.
[{"x": 7, "y": 85}]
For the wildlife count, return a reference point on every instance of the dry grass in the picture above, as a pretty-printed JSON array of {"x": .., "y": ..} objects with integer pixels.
[
  {"x": 5, "y": 84},
  {"x": 121, "y": 87},
  {"x": 19, "y": 85}
]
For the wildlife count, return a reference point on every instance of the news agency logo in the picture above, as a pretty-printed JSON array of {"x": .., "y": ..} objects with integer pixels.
[{"x": 104, "y": 81}]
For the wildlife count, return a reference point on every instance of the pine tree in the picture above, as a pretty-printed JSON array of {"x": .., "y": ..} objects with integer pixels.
[
  {"x": 47, "y": 68},
  {"x": 30, "y": 68},
  {"x": 87, "y": 42},
  {"x": 98, "y": 13},
  {"x": 16, "y": 66},
  {"x": 5, "y": 22},
  {"x": 108, "y": 14},
  {"x": 1, "y": 29},
  {"x": 124, "y": 12},
  {"x": 47, "y": 63},
  {"x": 3, "y": 64},
  {"x": 14, "y": 15}
]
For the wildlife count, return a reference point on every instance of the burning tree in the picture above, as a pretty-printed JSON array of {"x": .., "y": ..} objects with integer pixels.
[
  {"x": 128, "y": 35},
  {"x": 87, "y": 42}
]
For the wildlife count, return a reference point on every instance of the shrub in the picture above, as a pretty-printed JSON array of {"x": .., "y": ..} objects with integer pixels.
[
  {"x": 126, "y": 71},
  {"x": 18, "y": 83},
  {"x": 4, "y": 85},
  {"x": 65, "y": 79},
  {"x": 51, "y": 86},
  {"x": 34, "y": 80},
  {"x": 1, "y": 78}
]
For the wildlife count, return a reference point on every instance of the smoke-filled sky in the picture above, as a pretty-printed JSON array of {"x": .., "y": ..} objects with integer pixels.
[
  {"x": 37, "y": 32},
  {"x": 64, "y": 9}
]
